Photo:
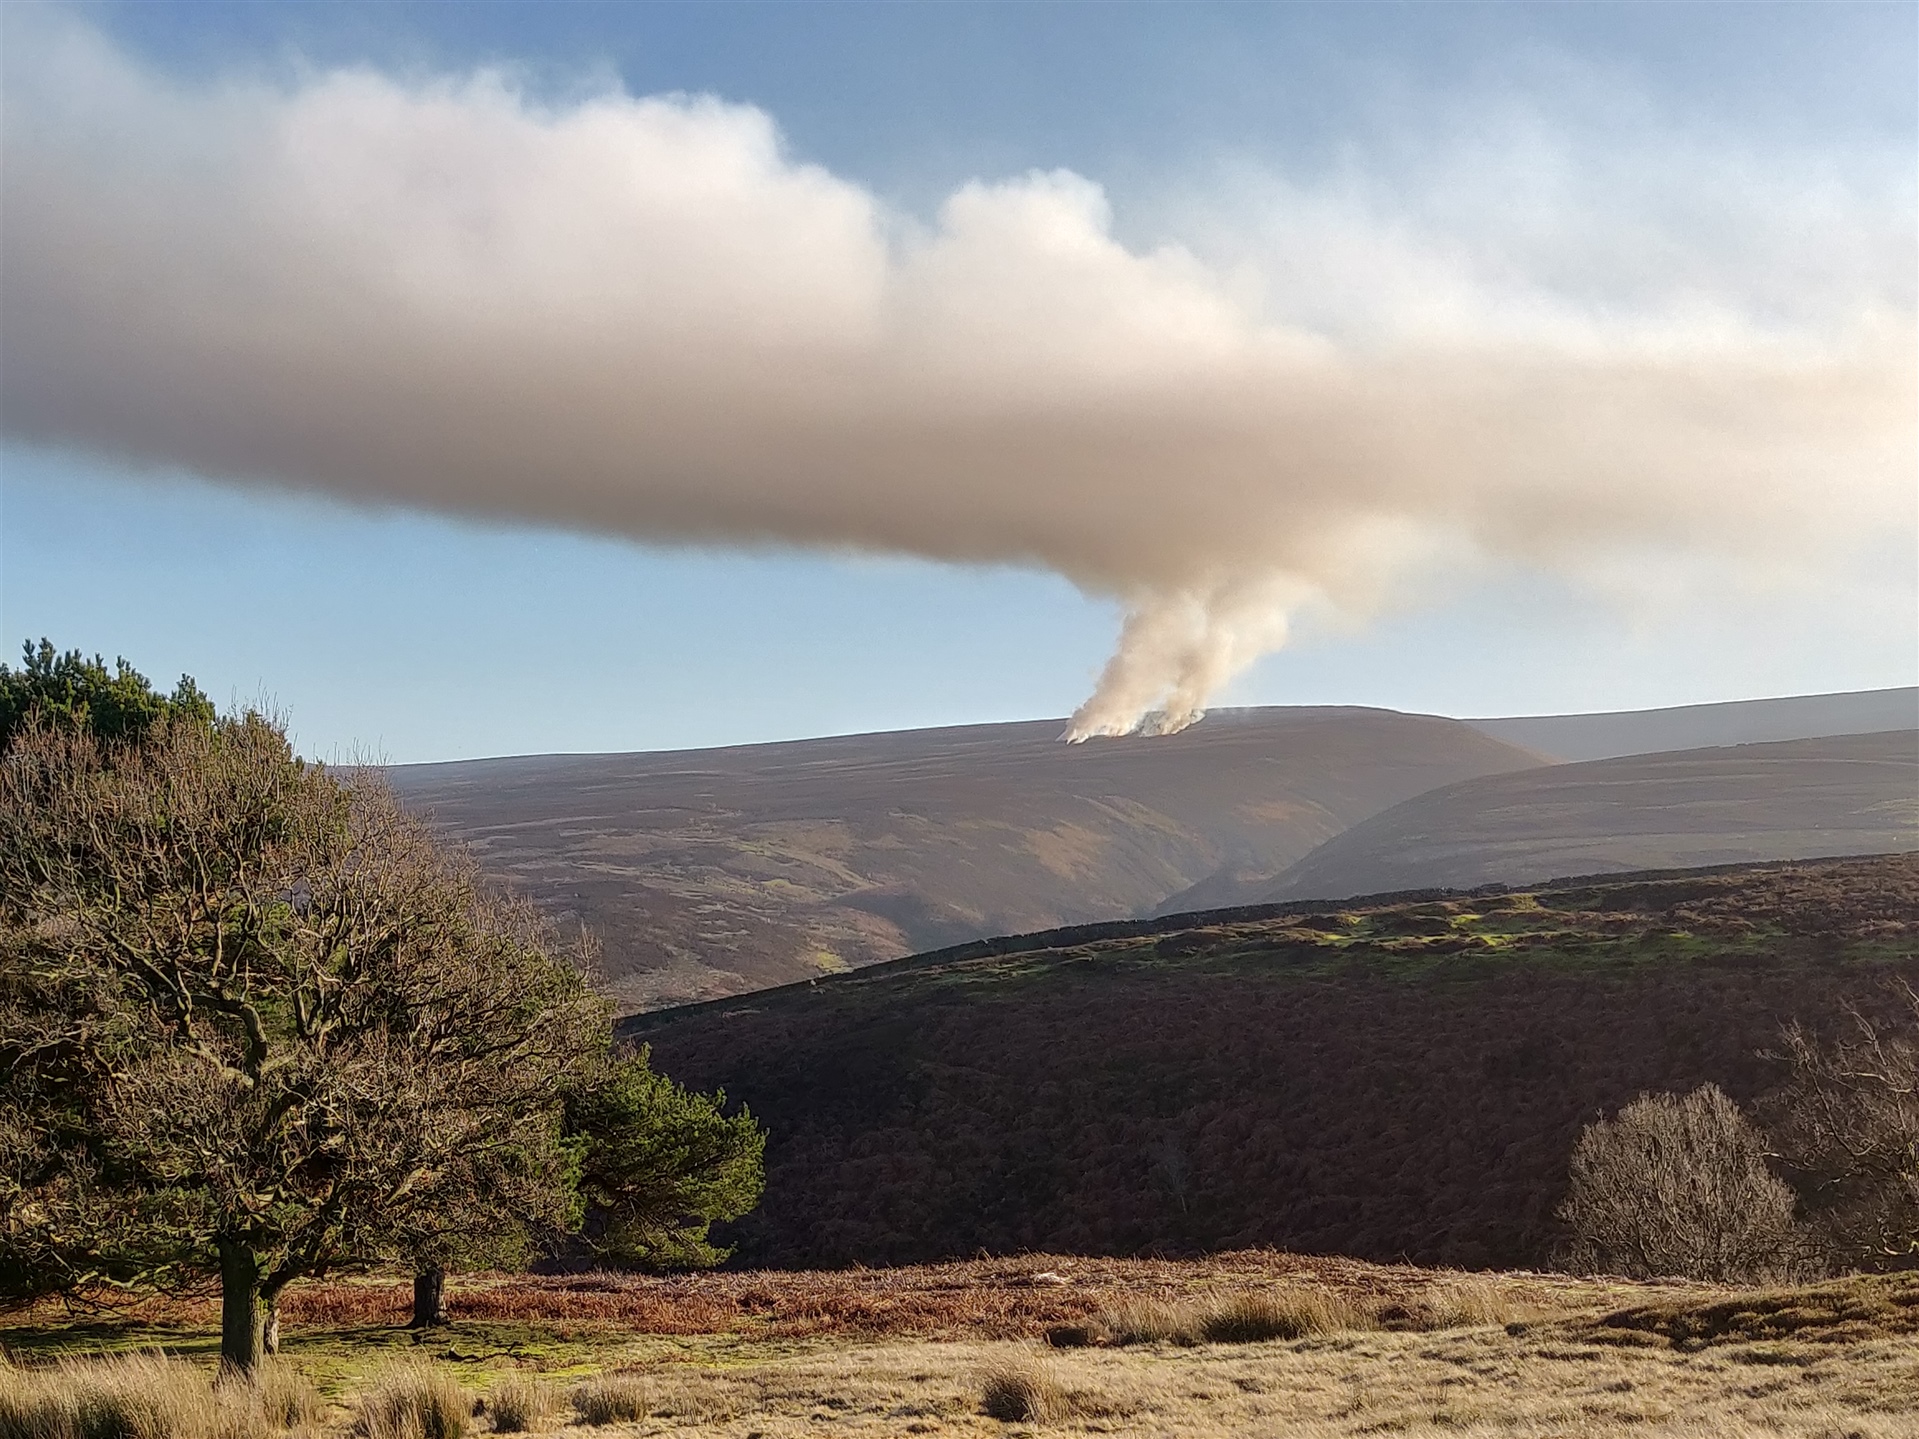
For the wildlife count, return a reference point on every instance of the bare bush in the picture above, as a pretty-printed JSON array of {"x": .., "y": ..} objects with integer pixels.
[
  {"x": 1678, "y": 1186},
  {"x": 1847, "y": 1123}
]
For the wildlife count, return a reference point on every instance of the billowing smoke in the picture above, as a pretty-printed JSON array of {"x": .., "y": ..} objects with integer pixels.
[{"x": 641, "y": 316}]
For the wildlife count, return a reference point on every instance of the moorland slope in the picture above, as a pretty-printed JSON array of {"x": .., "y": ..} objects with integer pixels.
[
  {"x": 1385, "y": 1080},
  {"x": 1797, "y": 799},
  {"x": 712, "y": 872},
  {"x": 1622, "y": 732}
]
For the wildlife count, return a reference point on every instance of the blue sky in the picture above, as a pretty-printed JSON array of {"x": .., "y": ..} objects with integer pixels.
[{"x": 413, "y": 632}]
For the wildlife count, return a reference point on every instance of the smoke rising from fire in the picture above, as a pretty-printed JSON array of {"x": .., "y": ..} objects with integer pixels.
[{"x": 641, "y": 316}]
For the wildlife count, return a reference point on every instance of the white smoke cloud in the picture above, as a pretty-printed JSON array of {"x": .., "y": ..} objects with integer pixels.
[{"x": 641, "y": 316}]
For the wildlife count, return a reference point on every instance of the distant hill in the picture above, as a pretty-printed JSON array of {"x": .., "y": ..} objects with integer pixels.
[
  {"x": 712, "y": 872},
  {"x": 1797, "y": 799},
  {"x": 1384, "y": 1080},
  {"x": 1605, "y": 736}
]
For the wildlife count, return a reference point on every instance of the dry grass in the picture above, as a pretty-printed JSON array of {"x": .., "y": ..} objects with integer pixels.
[
  {"x": 518, "y": 1404},
  {"x": 1481, "y": 1382},
  {"x": 135, "y": 1396},
  {"x": 1842, "y": 1311},
  {"x": 414, "y": 1401},
  {"x": 1463, "y": 1301},
  {"x": 1010, "y": 1298},
  {"x": 613, "y": 1399},
  {"x": 288, "y": 1399},
  {"x": 1274, "y": 1345},
  {"x": 1020, "y": 1388},
  {"x": 1253, "y": 1316}
]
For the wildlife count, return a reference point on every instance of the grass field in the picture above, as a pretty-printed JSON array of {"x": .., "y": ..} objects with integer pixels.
[{"x": 1240, "y": 1344}]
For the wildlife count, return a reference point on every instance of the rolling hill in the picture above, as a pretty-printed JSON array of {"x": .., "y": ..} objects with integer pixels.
[
  {"x": 1795, "y": 799},
  {"x": 1623, "y": 732},
  {"x": 1402, "y": 1079},
  {"x": 712, "y": 872}
]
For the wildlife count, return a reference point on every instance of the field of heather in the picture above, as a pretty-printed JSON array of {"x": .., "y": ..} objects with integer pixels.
[
  {"x": 1395, "y": 1080},
  {"x": 1256, "y": 1342}
]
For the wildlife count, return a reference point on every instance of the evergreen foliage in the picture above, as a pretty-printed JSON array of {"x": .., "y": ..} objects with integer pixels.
[
  {"x": 659, "y": 1165},
  {"x": 69, "y": 689}
]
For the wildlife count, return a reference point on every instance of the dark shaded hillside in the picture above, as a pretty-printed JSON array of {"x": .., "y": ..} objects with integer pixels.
[
  {"x": 1385, "y": 1081},
  {"x": 1849, "y": 794},
  {"x": 1623, "y": 732},
  {"x": 710, "y": 872}
]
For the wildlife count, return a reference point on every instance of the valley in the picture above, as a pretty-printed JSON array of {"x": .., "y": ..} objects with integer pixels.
[
  {"x": 714, "y": 872},
  {"x": 707, "y": 873}
]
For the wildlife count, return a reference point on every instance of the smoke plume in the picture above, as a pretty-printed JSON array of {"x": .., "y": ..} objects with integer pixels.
[{"x": 642, "y": 316}]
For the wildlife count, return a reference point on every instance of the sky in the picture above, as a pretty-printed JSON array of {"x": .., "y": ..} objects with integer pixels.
[{"x": 655, "y": 376}]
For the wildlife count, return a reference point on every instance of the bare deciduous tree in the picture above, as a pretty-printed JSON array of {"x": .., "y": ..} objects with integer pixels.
[
  {"x": 1847, "y": 1123},
  {"x": 1678, "y": 1185}
]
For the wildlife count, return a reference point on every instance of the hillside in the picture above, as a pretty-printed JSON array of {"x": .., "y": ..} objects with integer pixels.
[
  {"x": 1623, "y": 732},
  {"x": 712, "y": 872},
  {"x": 1393, "y": 1080},
  {"x": 1801, "y": 799},
  {"x": 1851, "y": 794}
]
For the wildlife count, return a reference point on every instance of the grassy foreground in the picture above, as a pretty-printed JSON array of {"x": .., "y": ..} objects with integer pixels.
[{"x": 1241, "y": 1344}]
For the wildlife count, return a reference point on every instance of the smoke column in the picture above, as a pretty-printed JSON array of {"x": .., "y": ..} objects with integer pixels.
[{"x": 640, "y": 316}]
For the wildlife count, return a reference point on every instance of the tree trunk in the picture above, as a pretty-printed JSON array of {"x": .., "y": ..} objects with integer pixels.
[
  {"x": 270, "y": 1331},
  {"x": 429, "y": 1298},
  {"x": 242, "y": 1320}
]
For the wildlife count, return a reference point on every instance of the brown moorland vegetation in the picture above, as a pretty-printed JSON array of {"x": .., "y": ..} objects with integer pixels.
[
  {"x": 1022, "y": 1297},
  {"x": 712, "y": 872},
  {"x": 957, "y": 1349},
  {"x": 1400, "y": 1078},
  {"x": 1838, "y": 795}
]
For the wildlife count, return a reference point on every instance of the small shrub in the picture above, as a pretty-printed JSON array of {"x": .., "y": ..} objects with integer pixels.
[
  {"x": 613, "y": 1399},
  {"x": 1678, "y": 1186},
  {"x": 414, "y": 1401},
  {"x": 517, "y": 1405},
  {"x": 1022, "y": 1390}
]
